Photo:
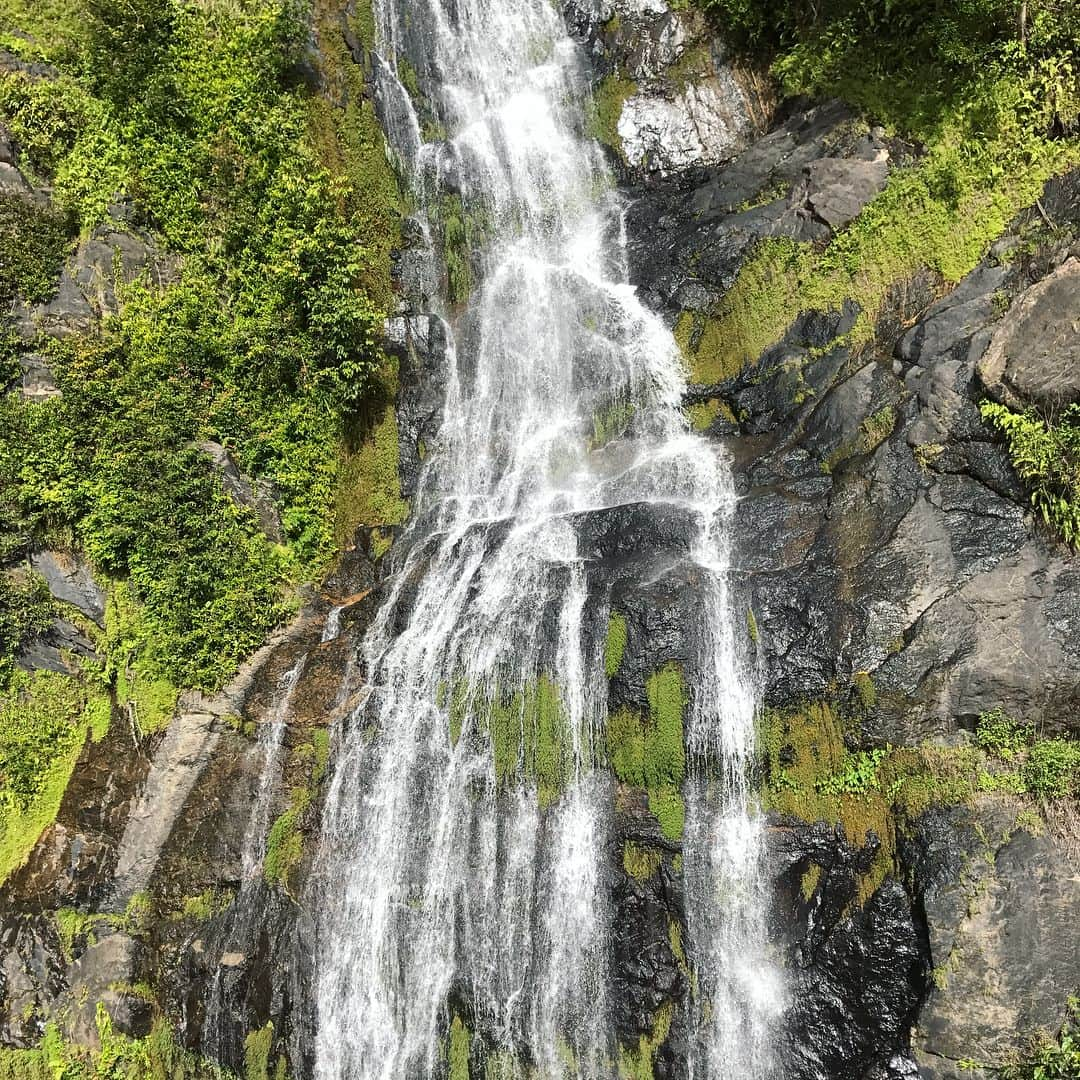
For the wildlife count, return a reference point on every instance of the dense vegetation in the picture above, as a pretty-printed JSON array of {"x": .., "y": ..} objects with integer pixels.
[
  {"x": 989, "y": 92},
  {"x": 265, "y": 338},
  {"x": 268, "y": 216}
]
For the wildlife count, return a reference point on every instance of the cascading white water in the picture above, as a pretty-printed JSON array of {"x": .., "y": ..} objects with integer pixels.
[{"x": 465, "y": 832}]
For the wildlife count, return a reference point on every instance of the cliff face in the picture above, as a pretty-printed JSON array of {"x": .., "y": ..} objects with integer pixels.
[{"x": 916, "y": 628}]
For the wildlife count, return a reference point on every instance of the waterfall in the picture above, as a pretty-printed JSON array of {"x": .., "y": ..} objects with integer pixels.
[{"x": 463, "y": 864}]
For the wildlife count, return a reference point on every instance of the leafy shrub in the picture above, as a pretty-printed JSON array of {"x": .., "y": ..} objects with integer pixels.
[
  {"x": 33, "y": 242},
  {"x": 1052, "y": 768},
  {"x": 1052, "y": 1059},
  {"x": 1046, "y": 457},
  {"x": 999, "y": 734},
  {"x": 26, "y": 609},
  {"x": 267, "y": 339}
]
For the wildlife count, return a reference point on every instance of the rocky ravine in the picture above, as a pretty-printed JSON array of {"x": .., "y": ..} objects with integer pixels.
[{"x": 881, "y": 533}]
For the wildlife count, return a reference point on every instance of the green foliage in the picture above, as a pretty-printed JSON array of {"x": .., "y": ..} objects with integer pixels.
[
  {"x": 1051, "y": 1059},
  {"x": 44, "y": 718},
  {"x": 1002, "y": 736},
  {"x": 988, "y": 107},
  {"x": 913, "y": 59},
  {"x": 615, "y": 644},
  {"x": 811, "y": 774},
  {"x": 1052, "y": 768},
  {"x": 157, "y": 1056},
  {"x": 265, "y": 339},
  {"x": 1046, "y": 456},
  {"x": 26, "y": 610},
  {"x": 34, "y": 240}
]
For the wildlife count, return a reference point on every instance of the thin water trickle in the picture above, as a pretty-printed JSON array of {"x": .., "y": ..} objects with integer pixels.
[{"x": 456, "y": 865}]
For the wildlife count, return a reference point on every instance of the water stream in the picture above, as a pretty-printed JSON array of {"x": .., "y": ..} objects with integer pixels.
[{"x": 464, "y": 864}]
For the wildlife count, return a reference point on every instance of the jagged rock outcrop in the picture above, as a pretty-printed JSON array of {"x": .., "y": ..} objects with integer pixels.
[{"x": 675, "y": 97}]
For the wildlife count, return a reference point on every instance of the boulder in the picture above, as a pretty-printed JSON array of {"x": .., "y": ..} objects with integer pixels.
[
  {"x": 1000, "y": 906},
  {"x": 1034, "y": 354}
]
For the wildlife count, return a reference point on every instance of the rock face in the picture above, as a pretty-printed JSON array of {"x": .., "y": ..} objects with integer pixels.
[
  {"x": 882, "y": 534},
  {"x": 1000, "y": 908},
  {"x": 1034, "y": 355},
  {"x": 813, "y": 172},
  {"x": 681, "y": 100}
]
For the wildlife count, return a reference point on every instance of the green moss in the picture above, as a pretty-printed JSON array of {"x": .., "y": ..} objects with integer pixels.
[
  {"x": 381, "y": 542},
  {"x": 603, "y": 120},
  {"x": 44, "y": 718},
  {"x": 530, "y": 737},
  {"x": 285, "y": 841},
  {"x": 371, "y": 476},
  {"x": 610, "y": 422},
  {"x": 873, "y": 431},
  {"x": 76, "y": 928},
  {"x": 865, "y": 691},
  {"x": 626, "y": 746},
  {"x": 615, "y": 644},
  {"x": 677, "y": 950},
  {"x": 665, "y": 756},
  {"x": 667, "y": 806},
  {"x": 705, "y": 350},
  {"x": 640, "y": 862},
  {"x": 201, "y": 907},
  {"x": 752, "y": 626},
  {"x": 810, "y": 881},
  {"x": 463, "y": 230},
  {"x": 460, "y": 1045},
  {"x": 703, "y": 414},
  {"x": 257, "y": 1046},
  {"x": 651, "y": 753},
  {"x": 637, "y": 1063}
]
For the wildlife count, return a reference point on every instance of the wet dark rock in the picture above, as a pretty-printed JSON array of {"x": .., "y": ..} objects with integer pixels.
[
  {"x": 421, "y": 344},
  {"x": 646, "y": 972}
]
